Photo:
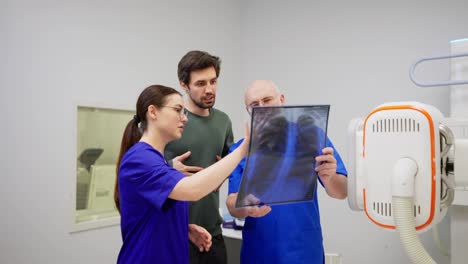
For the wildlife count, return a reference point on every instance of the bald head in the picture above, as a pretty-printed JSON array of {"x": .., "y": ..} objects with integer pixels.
[{"x": 263, "y": 93}]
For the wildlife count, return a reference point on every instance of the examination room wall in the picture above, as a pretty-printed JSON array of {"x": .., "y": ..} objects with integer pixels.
[
  {"x": 353, "y": 55},
  {"x": 55, "y": 55},
  {"x": 58, "y": 54}
]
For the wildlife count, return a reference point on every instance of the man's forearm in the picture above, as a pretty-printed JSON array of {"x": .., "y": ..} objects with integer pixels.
[{"x": 337, "y": 186}]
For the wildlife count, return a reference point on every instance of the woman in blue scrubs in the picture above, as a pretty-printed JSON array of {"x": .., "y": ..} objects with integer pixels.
[{"x": 152, "y": 197}]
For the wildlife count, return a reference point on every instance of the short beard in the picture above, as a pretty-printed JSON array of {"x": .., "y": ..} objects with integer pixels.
[{"x": 202, "y": 105}]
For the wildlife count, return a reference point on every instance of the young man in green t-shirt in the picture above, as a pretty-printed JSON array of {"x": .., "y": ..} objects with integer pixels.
[{"x": 207, "y": 137}]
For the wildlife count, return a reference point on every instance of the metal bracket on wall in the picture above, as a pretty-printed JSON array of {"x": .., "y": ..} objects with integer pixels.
[{"x": 446, "y": 83}]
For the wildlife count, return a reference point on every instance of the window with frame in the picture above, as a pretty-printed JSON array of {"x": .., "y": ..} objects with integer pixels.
[{"x": 99, "y": 134}]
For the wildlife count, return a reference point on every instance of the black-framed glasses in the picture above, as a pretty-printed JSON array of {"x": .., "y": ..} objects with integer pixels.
[
  {"x": 266, "y": 101},
  {"x": 180, "y": 110}
]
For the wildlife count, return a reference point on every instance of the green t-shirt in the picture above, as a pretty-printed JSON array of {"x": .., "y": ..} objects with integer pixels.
[{"x": 205, "y": 137}]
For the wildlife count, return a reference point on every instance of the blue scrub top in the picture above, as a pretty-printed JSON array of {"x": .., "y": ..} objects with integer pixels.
[
  {"x": 154, "y": 227},
  {"x": 290, "y": 233}
]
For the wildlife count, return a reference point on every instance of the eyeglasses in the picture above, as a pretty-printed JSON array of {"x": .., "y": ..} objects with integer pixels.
[
  {"x": 180, "y": 110},
  {"x": 262, "y": 102}
]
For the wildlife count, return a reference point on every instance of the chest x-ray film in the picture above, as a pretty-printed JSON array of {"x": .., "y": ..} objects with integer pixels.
[{"x": 284, "y": 142}]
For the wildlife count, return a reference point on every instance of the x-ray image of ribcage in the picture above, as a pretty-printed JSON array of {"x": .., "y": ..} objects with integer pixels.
[{"x": 280, "y": 166}]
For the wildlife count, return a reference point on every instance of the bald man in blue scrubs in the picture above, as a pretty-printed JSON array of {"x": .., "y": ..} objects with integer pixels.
[{"x": 286, "y": 233}]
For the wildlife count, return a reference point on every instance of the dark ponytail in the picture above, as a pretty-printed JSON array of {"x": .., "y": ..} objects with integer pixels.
[
  {"x": 130, "y": 137},
  {"x": 152, "y": 95}
]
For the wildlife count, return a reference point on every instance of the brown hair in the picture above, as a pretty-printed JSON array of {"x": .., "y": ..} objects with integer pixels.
[
  {"x": 196, "y": 60},
  {"x": 152, "y": 95}
]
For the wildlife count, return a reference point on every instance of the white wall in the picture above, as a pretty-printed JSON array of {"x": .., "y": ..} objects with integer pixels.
[
  {"x": 55, "y": 54},
  {"x": 353, "y": 55}
]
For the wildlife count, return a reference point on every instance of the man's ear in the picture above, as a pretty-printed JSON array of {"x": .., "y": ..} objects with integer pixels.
[
  {"x": 184, "y": 86},
  {"x": 282, "y": 99}
]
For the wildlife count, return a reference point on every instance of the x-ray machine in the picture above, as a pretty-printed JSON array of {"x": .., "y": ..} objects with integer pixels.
[{"x": 409, "y": 164}]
